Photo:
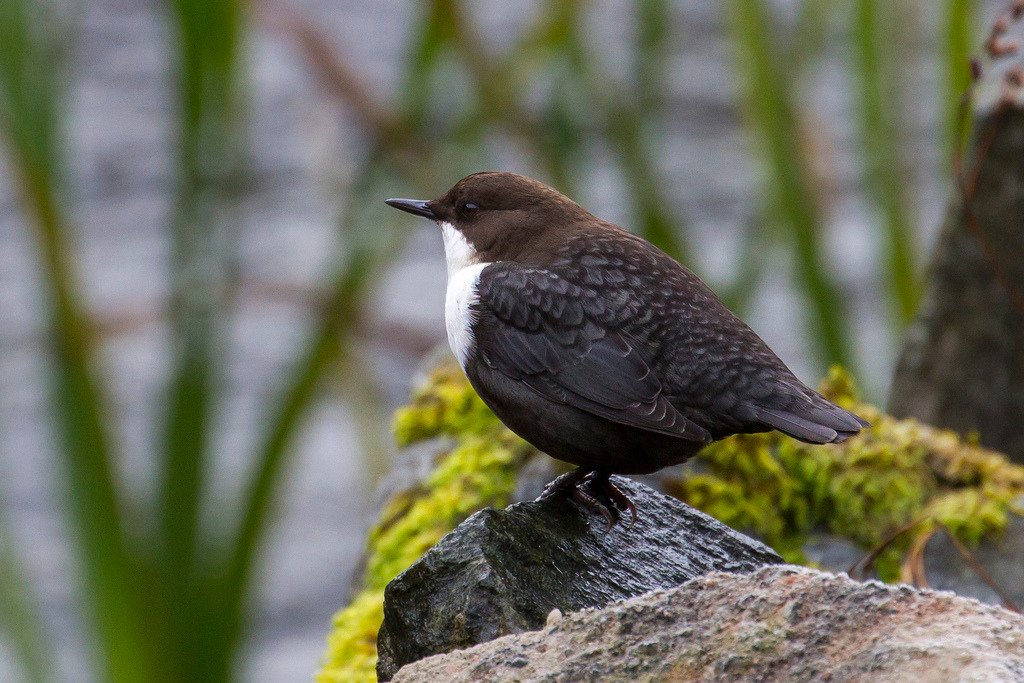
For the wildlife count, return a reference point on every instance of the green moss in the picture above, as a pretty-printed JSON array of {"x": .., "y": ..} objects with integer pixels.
[
  {"x": 895, "y": 472},
  {"x": 445, "y": 405},
  {"x": 478, "y": 471}
]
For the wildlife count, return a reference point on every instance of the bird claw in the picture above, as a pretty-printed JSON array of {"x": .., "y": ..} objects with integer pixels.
[
  {"x": 592, "y": 504},
  {"x": 621, "y": 501}
]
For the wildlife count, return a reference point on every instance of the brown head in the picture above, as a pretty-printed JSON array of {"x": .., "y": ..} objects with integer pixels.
[{"x": 500, "y": 216}]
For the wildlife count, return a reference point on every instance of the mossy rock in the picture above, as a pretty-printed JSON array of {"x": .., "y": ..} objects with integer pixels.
[{"x": 898, "y": 475}]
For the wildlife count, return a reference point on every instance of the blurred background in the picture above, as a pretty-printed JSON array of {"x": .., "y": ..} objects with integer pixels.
[{"x": 207, "y": 314}]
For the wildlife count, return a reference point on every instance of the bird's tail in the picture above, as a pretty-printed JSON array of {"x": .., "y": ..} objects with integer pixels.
[{"x": 806, "y": 415}]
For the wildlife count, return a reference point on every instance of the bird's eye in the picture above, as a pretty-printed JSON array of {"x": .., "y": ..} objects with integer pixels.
[{"x": 469, "y": 207}]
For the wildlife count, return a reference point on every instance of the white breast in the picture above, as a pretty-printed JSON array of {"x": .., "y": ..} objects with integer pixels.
[{"x": 463, "y": 276}]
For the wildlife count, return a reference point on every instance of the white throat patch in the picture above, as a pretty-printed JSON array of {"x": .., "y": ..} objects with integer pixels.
[
  {"x": 463, "y": 276},
  {"x": 457, "y": 249}
]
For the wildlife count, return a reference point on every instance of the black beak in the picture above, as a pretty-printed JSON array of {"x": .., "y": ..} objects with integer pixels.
[{"x": 416, "y": 207}]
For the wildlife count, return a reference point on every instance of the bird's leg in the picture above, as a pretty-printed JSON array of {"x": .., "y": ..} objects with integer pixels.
[
  {"x": 603, "y": 487},
  {"x": 566, "y": 483}
]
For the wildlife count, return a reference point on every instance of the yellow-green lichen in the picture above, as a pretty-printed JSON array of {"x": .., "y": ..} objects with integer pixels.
[
  {"x": 478, "y": 471},
  {"x": 352, "y": 644}
]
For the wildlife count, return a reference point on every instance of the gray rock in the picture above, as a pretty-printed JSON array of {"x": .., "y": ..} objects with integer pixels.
[
  {"x": 777, "y": 624},
  {"x": 503, "y": 572}
]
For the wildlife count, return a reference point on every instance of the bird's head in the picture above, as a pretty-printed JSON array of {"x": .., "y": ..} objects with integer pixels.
[{"x": 494, "y": 216}]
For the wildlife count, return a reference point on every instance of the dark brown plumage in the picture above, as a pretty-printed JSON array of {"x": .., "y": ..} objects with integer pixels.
[{"x": 598, "y": 348}]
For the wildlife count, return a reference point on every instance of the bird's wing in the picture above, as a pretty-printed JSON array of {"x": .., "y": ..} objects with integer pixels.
[
  {"x": 536, "y": 327},
  {"x": 713, "y": 367}
]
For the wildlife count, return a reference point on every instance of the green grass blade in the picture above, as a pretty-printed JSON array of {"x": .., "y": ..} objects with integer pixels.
[
  {"x": 650, "y": 61},
  {"x": 959, "y": 29},
  {"x": 207, "y": 35},
  {"x": 433, "y": 37},
  {"x": 768, "y": 101},
  {"x": 810, "y": 33},
  {"x": 876, "y": 59},
  {"x": 112, "y": 578},
  {"x": 30, "y": 86},
  {"x": 207, "y": 40},
  {"x": 18, "y": 612}
]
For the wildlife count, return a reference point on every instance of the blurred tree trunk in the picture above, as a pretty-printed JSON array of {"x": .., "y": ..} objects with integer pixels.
[{"x": 962, "y": 363}]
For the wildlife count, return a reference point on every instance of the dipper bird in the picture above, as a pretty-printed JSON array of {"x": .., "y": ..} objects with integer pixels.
[{"x": 598, "y": 348}]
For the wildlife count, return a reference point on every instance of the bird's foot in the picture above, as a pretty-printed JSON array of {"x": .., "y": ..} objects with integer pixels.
[{"x": 595, "y": 492}]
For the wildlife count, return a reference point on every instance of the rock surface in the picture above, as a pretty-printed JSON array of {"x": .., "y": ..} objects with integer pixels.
[
  {"x": 503, "y": 572},
  {"x": 780, "y": 623}
]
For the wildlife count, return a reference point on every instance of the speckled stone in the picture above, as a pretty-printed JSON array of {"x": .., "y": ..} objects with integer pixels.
[{"x": 780, "y": 623}]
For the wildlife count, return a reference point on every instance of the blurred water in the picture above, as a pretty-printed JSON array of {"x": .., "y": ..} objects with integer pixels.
[{"x": 304, "y": 147}]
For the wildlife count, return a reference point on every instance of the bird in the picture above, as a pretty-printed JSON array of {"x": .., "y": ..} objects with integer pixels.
[{"x": 598, "y": 348}]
